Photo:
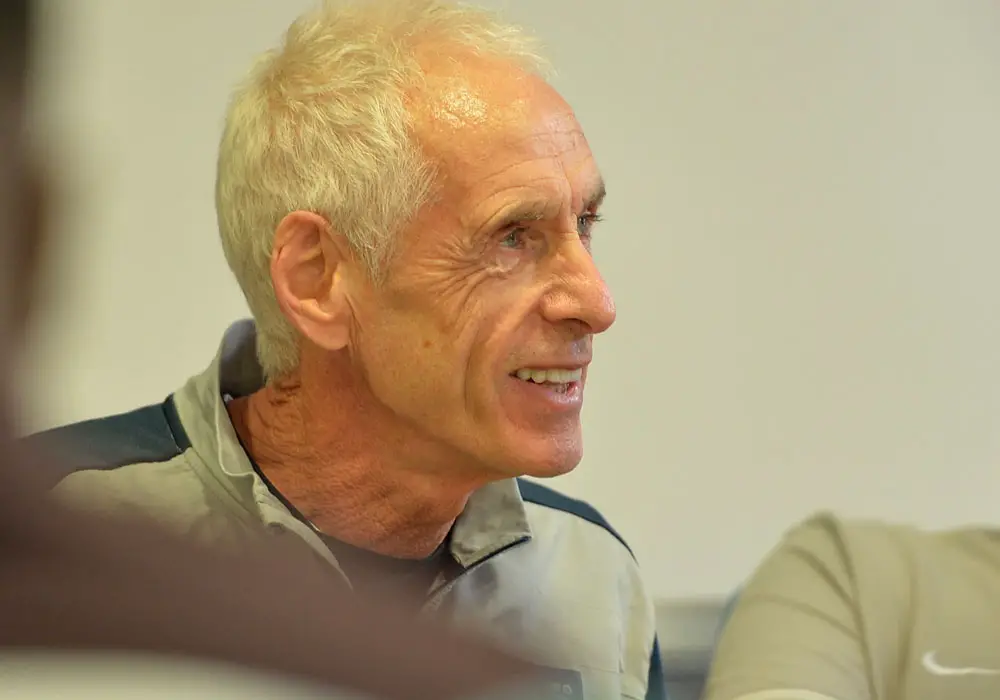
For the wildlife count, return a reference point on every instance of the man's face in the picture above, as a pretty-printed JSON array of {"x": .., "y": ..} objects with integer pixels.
[{"x": 482, "y": 333}]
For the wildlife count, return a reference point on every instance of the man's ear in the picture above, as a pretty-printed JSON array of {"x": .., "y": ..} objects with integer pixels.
[{"x": 311, "y": 270}]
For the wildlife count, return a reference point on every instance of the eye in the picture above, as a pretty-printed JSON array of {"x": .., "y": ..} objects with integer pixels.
[
  {"x": 585, "y": 223},
  {"x": 514, "y": 237}
]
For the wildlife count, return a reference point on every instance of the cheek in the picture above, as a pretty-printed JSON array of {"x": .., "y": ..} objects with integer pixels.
[
  {"x": 449, "y": 309},
  {"x": 448, "y": 329},
  {"x": 414, "y": 359},
  {"x": 505, "y": 326}
]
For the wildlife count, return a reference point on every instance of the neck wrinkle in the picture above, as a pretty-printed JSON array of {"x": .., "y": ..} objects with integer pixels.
[{"x": 332, "y": 462}]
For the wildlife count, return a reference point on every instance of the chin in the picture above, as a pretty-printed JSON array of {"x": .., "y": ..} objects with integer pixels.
[
  {"x": 548, "y": 471},
  {"x": 547, "y": 463},
  {"x": 540, "y": 452}
]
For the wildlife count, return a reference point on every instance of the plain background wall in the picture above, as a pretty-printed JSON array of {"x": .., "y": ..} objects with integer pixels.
[{"x": 801, "y": 235}]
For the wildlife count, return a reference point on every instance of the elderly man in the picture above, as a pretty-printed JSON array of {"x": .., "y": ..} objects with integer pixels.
[
  {"x": 77, "y": 590},
  {"x": 408, "y": 208}
]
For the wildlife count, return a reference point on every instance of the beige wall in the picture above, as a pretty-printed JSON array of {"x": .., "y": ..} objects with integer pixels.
[{"x": 801, "y": 232}]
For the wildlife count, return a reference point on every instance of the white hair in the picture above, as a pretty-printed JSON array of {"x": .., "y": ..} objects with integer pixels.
[{"x": 321, "y": 125}]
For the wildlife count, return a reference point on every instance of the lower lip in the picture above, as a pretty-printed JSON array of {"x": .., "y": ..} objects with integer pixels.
[{"x": 556, "y": 395}]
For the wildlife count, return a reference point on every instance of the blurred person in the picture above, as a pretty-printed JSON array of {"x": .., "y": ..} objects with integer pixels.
[
  {"x": 408, "y": 208},
  {"x": 858, "y": 610},
  {"x": 104, "y": 607}
]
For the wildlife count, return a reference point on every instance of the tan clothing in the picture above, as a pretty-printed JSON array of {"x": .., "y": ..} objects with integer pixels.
[{"x": 866, "y": 611}]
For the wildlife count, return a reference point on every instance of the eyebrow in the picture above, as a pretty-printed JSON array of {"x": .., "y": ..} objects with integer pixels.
[
  {"x": 539, "y": 210},
  {"x": 596, "y": 197},
  {"x": 523, "y": 213}
]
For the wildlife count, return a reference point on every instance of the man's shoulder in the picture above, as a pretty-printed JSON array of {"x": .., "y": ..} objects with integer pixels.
[
  {"x": 562, "y": 508},
  {"x": 841, "y": 549},
  {"x": 884, "y": 554},
  {"x": 869, "y": 563},
  {"x": 135, "y": 462},
  {"x": 828, "y": 536},
  {"x": 576, "y": 538},
  {"x": 828, "y": 561},
  {"x": 146, "y": 435},
  {"x": 570, "y": 533}
]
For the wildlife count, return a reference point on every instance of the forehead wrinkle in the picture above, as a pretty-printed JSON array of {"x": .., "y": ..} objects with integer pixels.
[
  {"x": 555, "y": 155},
  {"x": 540, "y": 197},
  {"x": 534, "y": 146},
  {"x": 551, "y": 143},
  {"x": 488, "y": 178},
  {"x": 542, "y": 193},
  {"x": 491, "y": 166},
  {"x": 530, "y": 206}
]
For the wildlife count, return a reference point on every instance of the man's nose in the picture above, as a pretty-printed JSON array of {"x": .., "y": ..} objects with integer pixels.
[{"x": 579, "y": 292}]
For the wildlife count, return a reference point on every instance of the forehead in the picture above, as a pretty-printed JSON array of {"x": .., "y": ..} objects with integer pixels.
[{"x": 495, "y": 131}]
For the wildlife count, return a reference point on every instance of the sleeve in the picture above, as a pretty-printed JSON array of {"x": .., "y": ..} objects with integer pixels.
[
  {"x": 641, "y": 664},
  {"x": 794, "y": 633}
]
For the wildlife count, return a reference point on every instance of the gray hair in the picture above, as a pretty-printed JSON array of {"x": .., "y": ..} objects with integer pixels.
[{"x": 321, "y": 125}]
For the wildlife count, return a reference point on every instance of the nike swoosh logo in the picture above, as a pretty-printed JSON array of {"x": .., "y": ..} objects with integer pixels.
[{"x": 933, "y": 667}]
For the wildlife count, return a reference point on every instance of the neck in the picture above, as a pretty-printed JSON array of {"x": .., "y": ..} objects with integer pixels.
[{"x": 349, "y": 466}]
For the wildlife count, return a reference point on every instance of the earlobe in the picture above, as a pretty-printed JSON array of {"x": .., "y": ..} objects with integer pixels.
[{"x": 310, "y": 271}]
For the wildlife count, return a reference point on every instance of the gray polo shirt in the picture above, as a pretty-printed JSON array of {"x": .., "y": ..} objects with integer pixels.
[{"x": 538, "y": 573}]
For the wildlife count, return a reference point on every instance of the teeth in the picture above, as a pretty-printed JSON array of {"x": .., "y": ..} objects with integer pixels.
[{"x": 550, "y": 376}]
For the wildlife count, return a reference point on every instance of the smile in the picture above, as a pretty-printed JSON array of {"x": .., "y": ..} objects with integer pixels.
[{"x": 559, "y": 379}]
